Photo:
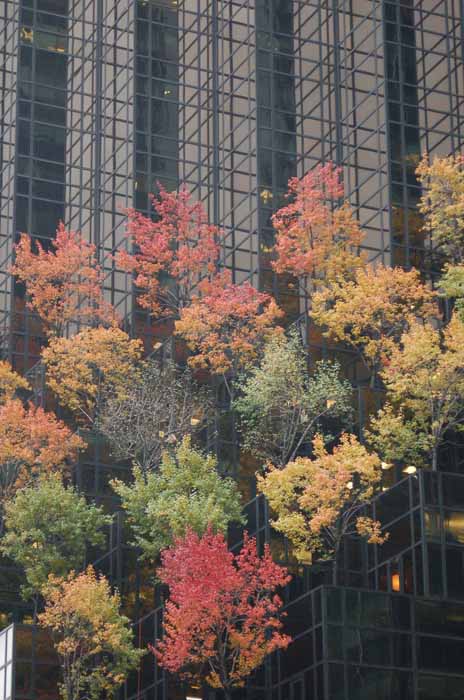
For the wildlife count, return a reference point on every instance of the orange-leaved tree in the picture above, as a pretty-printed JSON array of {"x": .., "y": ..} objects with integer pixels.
[
  {"x": 318, "y": 501},
  {"x": 171, "y": 252},
  {"x": 93, "y": 640},
  {"x": 10, "y": 382},
  {"x": 373, "y": 310},
  {"x": 227, "y": 324},
  {"x": 316, "y": 237},
  {"x": 222, "y": 616},
  {"x": 64, "y": 284},
  {"x": 33, "y": 442},
  {"x": 80, "y": 368}
]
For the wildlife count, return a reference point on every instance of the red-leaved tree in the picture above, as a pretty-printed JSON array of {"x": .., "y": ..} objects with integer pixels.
[
  {"x": 223, "y": 616},
  {"x": 315, "y": 235},
  {"x": 65, "y": 283},
  {"x": 227, "y": 324},
  {"x": 171, "y": 253}
]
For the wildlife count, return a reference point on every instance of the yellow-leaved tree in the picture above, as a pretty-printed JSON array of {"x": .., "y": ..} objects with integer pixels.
[
  {"x": 425, "y": 381},
  {"x": 318, "y": 501},
  {"x": 442, "y": 207},
  {"x": 373, "y": 310},
  {"x": 79, "y": 368},
  {"x": 92, "y": 639}
]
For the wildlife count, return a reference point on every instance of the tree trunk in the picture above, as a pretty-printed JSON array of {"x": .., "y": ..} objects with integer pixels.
[
  {"x": 335, "y": 563},
  {"x": 435, "y": 457},
  {"x": 335, "y": 569},
  {"x": 36, "y": 605}
]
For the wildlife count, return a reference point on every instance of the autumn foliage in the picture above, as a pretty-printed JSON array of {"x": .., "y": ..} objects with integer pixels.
[
  {"x": 222, "y": 617},
  {"x": 442, "y": 205},
  {"x": 319, "y": 500},
  {"x": 373, "y": 310},
  {"x": 92, "y": 639},
  {"x": 78, "y": 369},
  {"x": 32, "y": 442},
  {"x": 63, "y": 284},
  {"x": 10, "y": 382},
  {"x": 227, "y": 324},
  {"x": 425, "y": 379},
  {"x": 178, "y": 245},
  {"x": 314, "y": 234}
]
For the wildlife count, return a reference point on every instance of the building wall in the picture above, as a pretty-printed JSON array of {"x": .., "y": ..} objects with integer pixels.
[
  {"x": 101, "y": 100},
  {"x": 231, "y": 99}
]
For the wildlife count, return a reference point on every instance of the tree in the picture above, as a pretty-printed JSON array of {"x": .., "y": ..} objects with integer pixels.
[
  {"x": 78, "y": 369},
  {"x": 160, "y": 405},
  {"x": 10, "y": 382},
  {"x": 281, "y": 405},
  {"x": 452, "y": 287},
  {"x": 442, "y": 205},
  {"x": 33, "y": 442},
  {"x": 318, "y": 501},
  {"x": 63, "y": 284},
  {"x": 372, "y": 311},
  {"x": 172, "y": 252},
  {"x": 398, "y": 436},
  {"x": 316, "y": 237},
  {"x": 186, "y": 493},
  {"x": 227, "y": 325},
  {"x": 222, "y": 617},
  {"x": 92, "y": 639},
  {"x": 48, "y": 526},
  {"x": 425, "y": 378}
]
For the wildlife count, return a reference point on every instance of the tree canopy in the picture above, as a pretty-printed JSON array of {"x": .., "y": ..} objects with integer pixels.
[
  {"x": 185, "y": 493},
  {"x": 227, "y": 324},
  {"x": 64, "y": 284},
  {"x": 222, "y": 616},
  {"x": 80, "y": 368},
  {"x": 373, "y": 310},
  {"x": 33, "y": 442},
  {"x": 48, "y": 526},
  {"x": 425, "y": 378},
  {"x": 157, "y": 406},
  {"x": 281, "y": 405},
  {"x": 319, "y": 500},
  {"x": 315, "y": 236},
  {"x": 93, "y": 640},
  {"x": 172, "y": 251}
]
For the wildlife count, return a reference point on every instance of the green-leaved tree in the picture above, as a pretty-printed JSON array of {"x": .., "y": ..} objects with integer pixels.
[
  {"x": 281, "y": 405},
  {"x": 48, "y": 526},
  {"x": 186, "y": 493}
]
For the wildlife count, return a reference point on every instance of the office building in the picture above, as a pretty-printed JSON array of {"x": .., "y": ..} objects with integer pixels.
[{"x": 101, "y": 100}]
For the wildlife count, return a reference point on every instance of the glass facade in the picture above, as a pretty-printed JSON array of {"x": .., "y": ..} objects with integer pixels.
[
  {"x": 393, "y": 626},
  {"x": 425, "y": 554},
  {"x": 6, "y": 663},
  {"x": 99, "y": 102},
  {"x": 28, "y": 664}
]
